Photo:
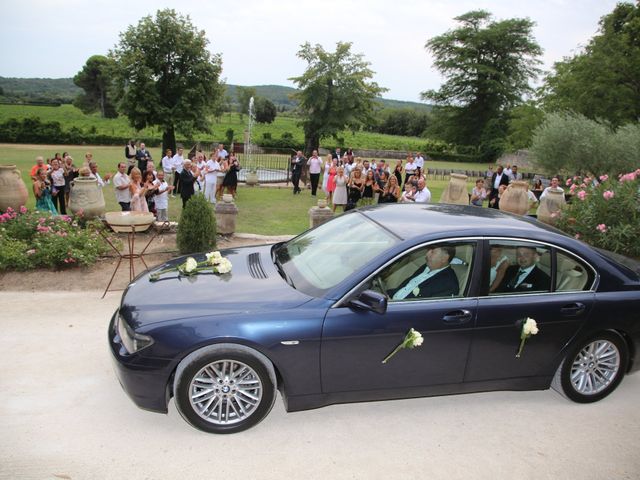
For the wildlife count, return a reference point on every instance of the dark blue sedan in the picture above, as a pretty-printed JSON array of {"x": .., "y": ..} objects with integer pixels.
[{"x": 499, "y": 302}]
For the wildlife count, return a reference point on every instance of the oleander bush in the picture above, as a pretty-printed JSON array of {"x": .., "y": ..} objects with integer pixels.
[
  {"x": 34, "y": 239},
  {"x": 605, "y": 212},
  {"x": 197, "y": 226}
]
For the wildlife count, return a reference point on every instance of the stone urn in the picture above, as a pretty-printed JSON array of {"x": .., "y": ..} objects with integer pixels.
[
  {"x": 252, "y": 179},
  {"x": 515, "y": 198},
  {"x": 86, "y": 196},
  {"x": 226, "y": 214},
  {"x": 456, "y": 190},
  {"x": 13, "y": 191},
  {"x": 550, "y": 206}
]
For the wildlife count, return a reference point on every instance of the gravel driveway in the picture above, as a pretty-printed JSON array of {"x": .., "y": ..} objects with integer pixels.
[{"x": 65, "y": 416}]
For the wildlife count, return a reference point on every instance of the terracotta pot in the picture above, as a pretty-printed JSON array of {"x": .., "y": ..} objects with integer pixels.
[
  {"x": 515, "y": 198},
  {"x": 86, "y": 196},
  {"x": 456, "y": 191},
  {"x": 13, "y": 191},
  {"x": 551, "y": 204}
]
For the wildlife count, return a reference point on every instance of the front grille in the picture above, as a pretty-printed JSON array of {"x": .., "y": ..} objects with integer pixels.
[{"x": 255, "y": 266}]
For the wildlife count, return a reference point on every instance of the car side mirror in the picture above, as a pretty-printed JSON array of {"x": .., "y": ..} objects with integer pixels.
[{"x": 370, "y": 300}]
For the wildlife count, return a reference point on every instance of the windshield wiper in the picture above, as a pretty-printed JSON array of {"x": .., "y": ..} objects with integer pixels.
[{"x": 276, "y": 262}]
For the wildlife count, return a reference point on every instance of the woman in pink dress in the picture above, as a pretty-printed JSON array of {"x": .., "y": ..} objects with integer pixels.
[
  {"x": 331, "y": 184},
  {"x": 138, "y": 191}
]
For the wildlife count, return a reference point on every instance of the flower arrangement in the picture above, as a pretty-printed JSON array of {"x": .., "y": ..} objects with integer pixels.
[
  {"x": 411, "y": 340},
  {"x": 529, "y": 328},
  {"x": 33, "y": 239},
  {"x": 214, "y": 263},
  {"x": 605, "y": 212}
]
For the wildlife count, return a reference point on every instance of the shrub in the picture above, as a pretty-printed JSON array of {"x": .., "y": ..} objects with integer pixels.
[
  {"x": 605, "y": 213},
  {"x": 32, "y": 239},
  {"x": 197, "y": 226}
]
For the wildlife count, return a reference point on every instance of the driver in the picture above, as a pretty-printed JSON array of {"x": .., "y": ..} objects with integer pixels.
[{"x": 437, "y": 279}]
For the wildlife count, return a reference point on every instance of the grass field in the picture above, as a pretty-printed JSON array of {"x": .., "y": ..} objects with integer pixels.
[
  {"x": 69, "y": 116},
  {"x": 262, "y": 210}
]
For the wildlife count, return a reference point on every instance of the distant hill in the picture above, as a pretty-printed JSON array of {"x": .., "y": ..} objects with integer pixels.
[{"x": 63, "y": 90}]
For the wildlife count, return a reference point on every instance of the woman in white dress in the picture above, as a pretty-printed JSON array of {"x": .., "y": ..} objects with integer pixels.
[
  {"x": 325, "y": 176},
  {"x": 340, "y": 191}
]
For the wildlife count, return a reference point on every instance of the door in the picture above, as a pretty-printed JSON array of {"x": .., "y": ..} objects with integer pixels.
[{"x": 354, "y": 343}]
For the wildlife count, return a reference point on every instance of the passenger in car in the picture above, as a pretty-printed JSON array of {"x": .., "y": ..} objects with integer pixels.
[
  {"x": 499, "y": 265},
  {"x": 526, "y": 276},
  {"x": 437, "y": 279}
]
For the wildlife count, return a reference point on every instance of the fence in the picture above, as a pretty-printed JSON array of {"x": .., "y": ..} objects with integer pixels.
[{"x": 270, "y": 167}]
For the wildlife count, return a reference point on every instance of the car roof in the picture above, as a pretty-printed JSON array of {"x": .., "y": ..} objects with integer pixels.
[{"x": 407, "y": 220}]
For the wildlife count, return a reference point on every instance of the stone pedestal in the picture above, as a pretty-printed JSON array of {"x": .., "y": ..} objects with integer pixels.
[
  {"x": 251, "y": 179},
  {"x": 226, "y": 213},
  {"x": 320, "y": 214}
]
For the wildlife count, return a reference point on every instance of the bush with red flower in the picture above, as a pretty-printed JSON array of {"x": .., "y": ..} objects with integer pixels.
[
  {"x": 605, "y": 212},
  {"x": 31, "y": 239}
]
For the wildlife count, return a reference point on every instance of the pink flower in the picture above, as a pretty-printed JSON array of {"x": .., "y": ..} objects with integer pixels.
[
  {"x": 573, "y": 187},
  {"x": 601, "y": 228},
  {"x": 604, "y": 178},
  {"x": 583, "y": 185},
  {"x": 23, "y": 209},
  {"x": 608, "y": 194},
  {"x": 582, "y": 195},
  {"x": 568, "y": 182},
  {"x": 41, "y": 220},
  {"x": 10, "y": 210},
  {"x": 629, "y": 177},
  {"x": 577, "y": 236}
]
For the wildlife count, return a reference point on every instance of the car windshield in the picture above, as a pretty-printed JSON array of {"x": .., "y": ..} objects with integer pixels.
[{"x": 320, "y": 259}]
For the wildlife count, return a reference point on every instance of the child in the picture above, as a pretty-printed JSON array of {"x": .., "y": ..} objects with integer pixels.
[{"x": 162, "y": 197}]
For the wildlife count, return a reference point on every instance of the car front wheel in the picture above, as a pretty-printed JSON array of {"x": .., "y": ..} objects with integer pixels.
[
  {"x": 593, "y": 369},
  {"x": 224, "y": 391}
]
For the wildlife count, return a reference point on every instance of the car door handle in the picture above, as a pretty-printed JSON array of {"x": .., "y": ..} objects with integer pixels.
[
  {"x": 573, "y": 309},
  {"x": 457, "y": 317}
]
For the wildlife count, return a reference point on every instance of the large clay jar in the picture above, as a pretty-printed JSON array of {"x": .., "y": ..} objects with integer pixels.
[
  {"x": 13, "y": 191},
  {"x": 515, "y": 198},
  {"x": 550, "y": 206},
  {"x": 456, "y": 191},
  {"x": 86, "y": 196}
]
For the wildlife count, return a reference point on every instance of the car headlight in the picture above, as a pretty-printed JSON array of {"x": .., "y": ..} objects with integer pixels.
[{"x": 131, "y": 341}]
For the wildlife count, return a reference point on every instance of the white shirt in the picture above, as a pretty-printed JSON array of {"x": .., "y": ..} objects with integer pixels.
[
  {"x": 496, "y": 183},
  {"x": 422, "y": 196},
  {"x": 161, "y": 199},
  {"x": 101, "y": 182},
  {"x": 223, "y": 153},
  {"x": 120, "y": 180},
  {"x": 415, "y": 283},
  {"x": 213, "y": 167},
  {"x": 508, "y": 173},
  {"x": 419, "y": 161},
  {"x": 410, "y": 167},
  {"x": 57, "y": 176},
  {"x": 314, "y": 164},
  {"x": 178, "y": 162},
  {"x": 167, "y": 163}
]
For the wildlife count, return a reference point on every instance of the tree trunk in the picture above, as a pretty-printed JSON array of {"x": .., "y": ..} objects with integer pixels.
[
  {"x": 311, "y": 143},
  {"x": 169, "y": 139}
]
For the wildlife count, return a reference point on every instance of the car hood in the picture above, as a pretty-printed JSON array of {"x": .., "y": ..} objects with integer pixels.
[{"x": 253, "y": 286}]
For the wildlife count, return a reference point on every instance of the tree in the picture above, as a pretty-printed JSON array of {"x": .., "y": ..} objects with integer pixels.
[
  {"x": 95, "y": 80},
  {"x": 487, "y": 65},
  {"x": 244, "y": 94},
  {"x": 265, "y": 110},
  {"x": 603, "y": 81},
  {"x": 335, "y": 92},
  {"x": 523, "y": 120},
  {"x": 165, "y": 76}
]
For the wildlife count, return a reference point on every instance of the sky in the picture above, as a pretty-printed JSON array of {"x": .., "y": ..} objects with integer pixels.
[{"x": 258, "y": 40}]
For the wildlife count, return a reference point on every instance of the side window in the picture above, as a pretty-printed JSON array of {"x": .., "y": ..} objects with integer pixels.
[
  {"x": 439, "y": 270},
  {"x": 571, "y": 275},
  {"x": 519, "y": 267}
]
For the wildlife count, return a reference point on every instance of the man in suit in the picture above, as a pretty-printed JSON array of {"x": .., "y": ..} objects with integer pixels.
[
  {"x": 143, "y": 156},
  {"x": 497, "y": 179},
  {"x": 437, "y": 279},
  {"x": 297, "y": 163},
  {"x": 525, "y": 276},
  {"x": 187, "y": 178}
]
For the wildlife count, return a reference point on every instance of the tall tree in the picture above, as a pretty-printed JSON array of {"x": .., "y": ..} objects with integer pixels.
[
  {"x": 335, "y": 92},
  {"x": 487, "y": 65},
  {"x": 602, "y": 81},
  {"x": 265, "y": 110},
  {"x": 95, "y": 80},
  {"x": 165, "y": 75}
]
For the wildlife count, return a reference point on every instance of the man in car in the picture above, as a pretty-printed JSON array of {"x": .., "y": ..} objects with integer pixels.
[
  {"x": 526, "y": 276},
  {"x": 437, "y": 279}
]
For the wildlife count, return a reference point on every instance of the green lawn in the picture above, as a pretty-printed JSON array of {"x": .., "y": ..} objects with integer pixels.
[{"x": 262, "y": 210}]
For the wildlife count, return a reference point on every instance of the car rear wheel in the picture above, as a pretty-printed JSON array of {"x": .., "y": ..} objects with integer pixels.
[
  {"x": 224, "y": 391},
  {"x": 593, "y": 369}
]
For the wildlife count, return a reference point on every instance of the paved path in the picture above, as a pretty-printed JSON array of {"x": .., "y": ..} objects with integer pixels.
[{"x": 64, "y": 415}]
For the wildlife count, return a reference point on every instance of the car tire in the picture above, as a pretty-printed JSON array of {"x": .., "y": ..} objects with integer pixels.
[
  {"x": 224, "y": 388},
  {"x": 593, "y": 368}
]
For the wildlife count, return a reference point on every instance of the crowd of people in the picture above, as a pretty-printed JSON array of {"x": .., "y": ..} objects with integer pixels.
[{"x": 139, "y": 184}]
